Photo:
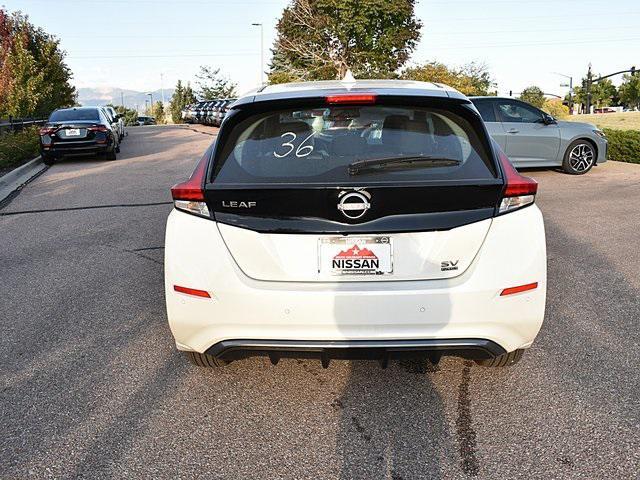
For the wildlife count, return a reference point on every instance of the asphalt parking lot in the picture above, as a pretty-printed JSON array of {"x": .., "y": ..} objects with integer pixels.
[{"x": 92, "y": 386}]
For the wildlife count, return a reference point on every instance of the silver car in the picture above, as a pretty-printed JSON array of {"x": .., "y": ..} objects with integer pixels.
[{"x": 533, "y": 138}]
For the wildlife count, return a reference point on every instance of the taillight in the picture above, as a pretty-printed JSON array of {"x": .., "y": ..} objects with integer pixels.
[
  {"x": 519, "y": 191},
  {"x": 98, "y": 128},
  {"x": 47, "y": 130},
  {"x": 352, "y": 99},
  {"x": 189, "y": 196}
]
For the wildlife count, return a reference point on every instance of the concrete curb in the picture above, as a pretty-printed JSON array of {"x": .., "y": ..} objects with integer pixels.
[{"x": 12, "y": 181}]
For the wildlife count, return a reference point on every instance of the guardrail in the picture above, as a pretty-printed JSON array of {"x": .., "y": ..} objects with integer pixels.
[{"x": 17, "y": 124}]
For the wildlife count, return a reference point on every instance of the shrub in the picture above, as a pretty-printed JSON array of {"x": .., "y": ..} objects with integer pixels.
[
  {"x": 556, "y": 108},
  {"x": 19, "y": 147},
  {"x": 624, "y": 145}
]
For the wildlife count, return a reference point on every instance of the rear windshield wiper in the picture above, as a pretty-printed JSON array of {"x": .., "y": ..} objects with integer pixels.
[{"x": 419, "y": 161}]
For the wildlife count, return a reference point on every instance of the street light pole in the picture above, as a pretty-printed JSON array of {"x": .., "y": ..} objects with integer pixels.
[
  {"x": 570, "y": 89},
  {"x": 151, "y": 95},
  {"x": 261, "y": 51}
]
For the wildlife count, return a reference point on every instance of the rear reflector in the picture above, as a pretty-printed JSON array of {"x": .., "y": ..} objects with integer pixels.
[
  {"x": 519, "y": 190},
  {"x": 352, "y": 99},
  {"x": 520, "y": 289},
  {"x": 192, "y": 291}
]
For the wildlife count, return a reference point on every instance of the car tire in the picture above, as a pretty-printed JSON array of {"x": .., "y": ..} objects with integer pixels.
[
  {"x": 204, "y": 360},
  {"x": 503, "y": 360},
  {"x": 579, "y": 158},
  {"x": 111, "y": 155},
  {"x": 117, "y": 149},
  {"x": 48, "y": 160}
]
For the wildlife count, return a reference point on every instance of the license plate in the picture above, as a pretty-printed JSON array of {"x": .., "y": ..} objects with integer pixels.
[
  {"x": 72, "y": 132},
  {"x": 355, "y": 255}
]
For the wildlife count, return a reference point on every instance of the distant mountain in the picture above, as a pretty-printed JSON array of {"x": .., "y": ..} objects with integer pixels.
[{"x": 105, "y": 95}]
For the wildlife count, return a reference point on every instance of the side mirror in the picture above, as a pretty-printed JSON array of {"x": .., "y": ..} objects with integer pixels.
[{"x": 549, "y": 120}]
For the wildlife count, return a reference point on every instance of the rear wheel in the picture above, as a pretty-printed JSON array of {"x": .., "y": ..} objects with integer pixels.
[
  {"x": 48, "y": 160},
  {"x": 503, "y": 360},
  {"x": 579, "y": 157},
  {"x": 110, "y": 155},
  {"x": 204, "y": 360}
]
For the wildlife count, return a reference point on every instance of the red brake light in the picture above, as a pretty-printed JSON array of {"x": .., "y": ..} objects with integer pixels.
[
  {"x": 352, "y": 99},
  {"x": 47, "y": 130},
  {"x": 517, "y": 185},
  {"x": 192, "y": 189},
  {"x": 192, "y": 291},
  {"x": 98, "y": 128},
  {"x": 520, "y": 289}
]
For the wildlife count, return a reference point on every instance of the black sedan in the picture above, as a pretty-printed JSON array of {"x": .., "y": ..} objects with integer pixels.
[{"x": 78, "y": 131}]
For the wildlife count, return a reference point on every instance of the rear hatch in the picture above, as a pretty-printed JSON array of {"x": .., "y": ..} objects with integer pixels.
[{"x": 329, "y": 191}]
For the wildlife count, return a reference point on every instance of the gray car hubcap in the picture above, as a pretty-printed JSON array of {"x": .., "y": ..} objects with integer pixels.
[{"x": 581, "y": 157}]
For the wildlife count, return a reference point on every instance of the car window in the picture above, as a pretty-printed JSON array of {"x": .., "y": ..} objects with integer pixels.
[
  {"x": 316, "y": 145},
  {"x": 74, "y": 114},
  {"x": 518, "y": 112},
  {"x": 486, "y": 110}
]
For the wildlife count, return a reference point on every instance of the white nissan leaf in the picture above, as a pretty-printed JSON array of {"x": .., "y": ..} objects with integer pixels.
[{"x": 355, "y": 220}]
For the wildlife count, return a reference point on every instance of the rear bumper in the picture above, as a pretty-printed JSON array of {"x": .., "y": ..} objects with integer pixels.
[
  {"x": 381, "y": 350},
  {"x": 84, "y": 149},
  {"x": 468, "y": 306}
]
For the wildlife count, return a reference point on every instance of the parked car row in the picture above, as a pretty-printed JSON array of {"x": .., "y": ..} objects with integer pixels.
[
  {"x": 81, "y": 131},
  {"x": 207, "y": 112}
]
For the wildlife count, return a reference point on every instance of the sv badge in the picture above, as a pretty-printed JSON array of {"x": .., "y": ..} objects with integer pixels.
[{"x": 449, "y": 265}]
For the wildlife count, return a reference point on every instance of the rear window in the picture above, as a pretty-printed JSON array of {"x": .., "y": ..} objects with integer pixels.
[
  {"x": 90, "y": 114},
  {"x": 320, "y": 145}
]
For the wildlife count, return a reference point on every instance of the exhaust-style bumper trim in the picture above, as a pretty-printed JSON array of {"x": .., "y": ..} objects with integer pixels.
[{"x": 382, "y": 350}]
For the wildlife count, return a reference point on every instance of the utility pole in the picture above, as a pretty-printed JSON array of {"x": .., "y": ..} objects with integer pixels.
[
  {"x": 162, "y": 89},
  {"x": 122, "y": 98},
  {"x": 588, "y": 88},
  {"x": 261, "y": 51}
]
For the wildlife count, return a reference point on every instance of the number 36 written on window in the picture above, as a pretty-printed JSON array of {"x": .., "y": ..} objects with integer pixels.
[{"x": 288, "y": 147}]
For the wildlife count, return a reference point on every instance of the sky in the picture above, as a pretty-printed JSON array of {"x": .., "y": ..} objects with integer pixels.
[{"x": 145, "y": 44}]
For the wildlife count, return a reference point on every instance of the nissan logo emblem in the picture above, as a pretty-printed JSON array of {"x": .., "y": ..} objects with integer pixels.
[{"x": 354, "y": 205}]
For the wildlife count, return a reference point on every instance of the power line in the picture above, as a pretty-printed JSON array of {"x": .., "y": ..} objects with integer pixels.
[
  {"x": 533, "y": 44},
  {"x": 169, "y": 55}
]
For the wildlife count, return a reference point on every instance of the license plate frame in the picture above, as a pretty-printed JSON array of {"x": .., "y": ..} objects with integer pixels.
[
  {"x": 72, "y": 132},
  {"x": 361, "y": 256}
]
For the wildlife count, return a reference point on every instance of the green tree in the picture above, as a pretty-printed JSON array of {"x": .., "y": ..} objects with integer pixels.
[
  {"x": 34, "y": 79},
  {"x": 533, "y": 95},
  {"x": 470, "y": 79},
  {"x": 629, "y": 91},
  {"x": 603, "y": 93},
  {"x": 322, "y": 39},
  {"x": 158, "y": 112},
  {"x": 182, "y": 96},
  {"x": 130, "y": 116},
  {"x": 212, "y": 84}
]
